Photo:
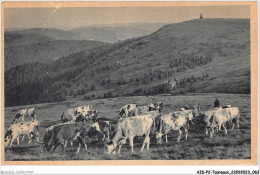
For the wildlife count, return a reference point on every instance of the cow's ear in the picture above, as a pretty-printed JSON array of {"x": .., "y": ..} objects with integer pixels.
[{"x": 128, "y": 106}]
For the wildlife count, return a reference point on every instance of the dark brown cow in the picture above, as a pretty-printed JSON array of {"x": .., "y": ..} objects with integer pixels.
[{"x": 69, "y": 132}]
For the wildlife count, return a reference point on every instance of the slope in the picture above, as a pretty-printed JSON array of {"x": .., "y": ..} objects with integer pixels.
[
  {"x": 44, "y": 51},
  {"x": 204, "y": 55}
]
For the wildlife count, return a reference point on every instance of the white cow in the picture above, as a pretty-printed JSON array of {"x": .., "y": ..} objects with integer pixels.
[
  {"x": 24, "y": 112},
  {"x": 221, "y": 116},
  {"x": 173, "y": 121},
  {"x": 128, "y": 111},
  {"x": 128, "y": 128},
  {"x": 73, "y": 113},
  {"x": 20, "y": 129}
]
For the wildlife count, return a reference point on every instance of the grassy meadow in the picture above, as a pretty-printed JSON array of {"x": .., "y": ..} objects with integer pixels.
[{"x": 235, "y": 145}]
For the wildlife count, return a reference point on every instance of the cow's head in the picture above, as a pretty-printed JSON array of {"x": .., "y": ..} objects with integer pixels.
[
  {"x": 110, "y": 147},
  {"x": 86, "y": 107},
  {"x": 106, "y": 129},
  {"x": 160, "y": 106}
]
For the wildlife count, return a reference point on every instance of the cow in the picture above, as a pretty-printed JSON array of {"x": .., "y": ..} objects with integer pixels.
[
  {"x": 73, "y": 113},
  {"x": 83, "y": 108},
  {"x": 128, "y": 111},
  {"x": 221, "y": 116},
  {"x": 193, "y": 112},
  {"x": 24, "y": 112},
  {"x": 30, "y": 128},
  {"x": 128, "y": 128},
  {"x": 132, "y": 109},
  {"x": 69, "y": 132},
  {"x": 173, "y": 121},
  {"x": 156, "y": 106}
]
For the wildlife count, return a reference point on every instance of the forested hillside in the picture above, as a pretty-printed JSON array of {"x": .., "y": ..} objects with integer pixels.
[
  {"x": 204, "y": 55},
  {"x": 44, "y": 51}
]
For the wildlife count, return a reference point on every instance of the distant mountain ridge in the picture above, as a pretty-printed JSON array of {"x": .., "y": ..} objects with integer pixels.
[
  {"x": 48, "y": 44},
  {"x": 204, "y": 55}
]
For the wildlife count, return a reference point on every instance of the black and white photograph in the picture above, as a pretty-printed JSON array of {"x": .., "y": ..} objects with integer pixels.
[{"x": 133, "y": 82}]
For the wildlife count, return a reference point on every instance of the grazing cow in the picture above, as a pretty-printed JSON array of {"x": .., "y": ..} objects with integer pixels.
[
  {"x": 128, "y": 128},
  {"x": 132, "y": 109},
  {"x": 173, "y": 121},
  {"x": 20, "y": 129},
  {"x": 156, "y": 106},
  {"x": 128, "y": 111},
  {"x": 221, "y": 116},
  {"x": 83, "y": 108},
  {"x": 193, "y": 112},
  {"x": 69, "y": 132},
  {"x": 31, "y": 112},
  {"x": 68, "y": 115},
  {"x": 86, "y": 115},
  {"x": 24, "y": 112},
  {"x": 73, "y": 113}
]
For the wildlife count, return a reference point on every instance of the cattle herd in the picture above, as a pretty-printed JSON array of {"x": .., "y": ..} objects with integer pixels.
[{"x": 82, "y": 124}]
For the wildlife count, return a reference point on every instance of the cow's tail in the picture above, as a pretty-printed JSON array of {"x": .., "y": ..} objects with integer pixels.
[
  {"x": 62, "y": 117},
  {"x": 109, "y": 126},
  {"x": 33, "y": 115}
]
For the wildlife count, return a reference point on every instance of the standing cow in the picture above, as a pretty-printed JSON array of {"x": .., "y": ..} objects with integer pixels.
[
  {"x": 72, "y": 113},
  {"x": 128, "y": 128},
  {"x": 20, "y": 129},
  {"x": 24, "y": 112},
  {"x": 58, "y": 135},
  {"x": 174, "y": 121},
  {"x": 221, "y": 116},
  {"x": 128, "y": 111}
]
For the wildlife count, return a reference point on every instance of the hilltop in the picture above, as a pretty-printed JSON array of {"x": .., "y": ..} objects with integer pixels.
[{"x": 204, "y": 55}]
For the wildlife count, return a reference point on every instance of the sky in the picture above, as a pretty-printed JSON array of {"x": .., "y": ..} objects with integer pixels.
[{"x": 68, "y": 18}]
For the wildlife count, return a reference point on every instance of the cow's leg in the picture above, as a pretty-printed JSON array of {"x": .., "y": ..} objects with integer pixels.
[
  {"x": 78, "y": 148},
  {"x": 71, "y": 143},
  {"x": 103, "y": 139},
  {"x": 211, "y": 132},
  {"x": 63, "y": 148},
  {"x": 166, "y": 138},
  {"x": 12, "y": 140},
  {"x": 131, "y": 142},
  {"x": 81, "y": 143},
  {"x": 56, "y": 144},
  {"x": 65, "y": 143},
  {"x": 219, "y": 127},
  {"x": 22, "y": 138},
  {"x": 30, "y": 140},
  {"x": 207, "y": 131},
  {"x": 233, "y": 125},
  {"x": 179, "y": 137},
  {"x": 17, "y": 140},
  {"x": 148, "y": 143},
  {"x": 186, "y": 133},
  {"x": 145, "y": 142},
  {"x": 188, "y": 124},
  {"x": 225, "y": 129},
  {"x": 119, "y": 148}
]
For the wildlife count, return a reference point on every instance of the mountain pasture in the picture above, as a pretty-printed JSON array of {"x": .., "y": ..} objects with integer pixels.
[{"x": 198, "y": 146}]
